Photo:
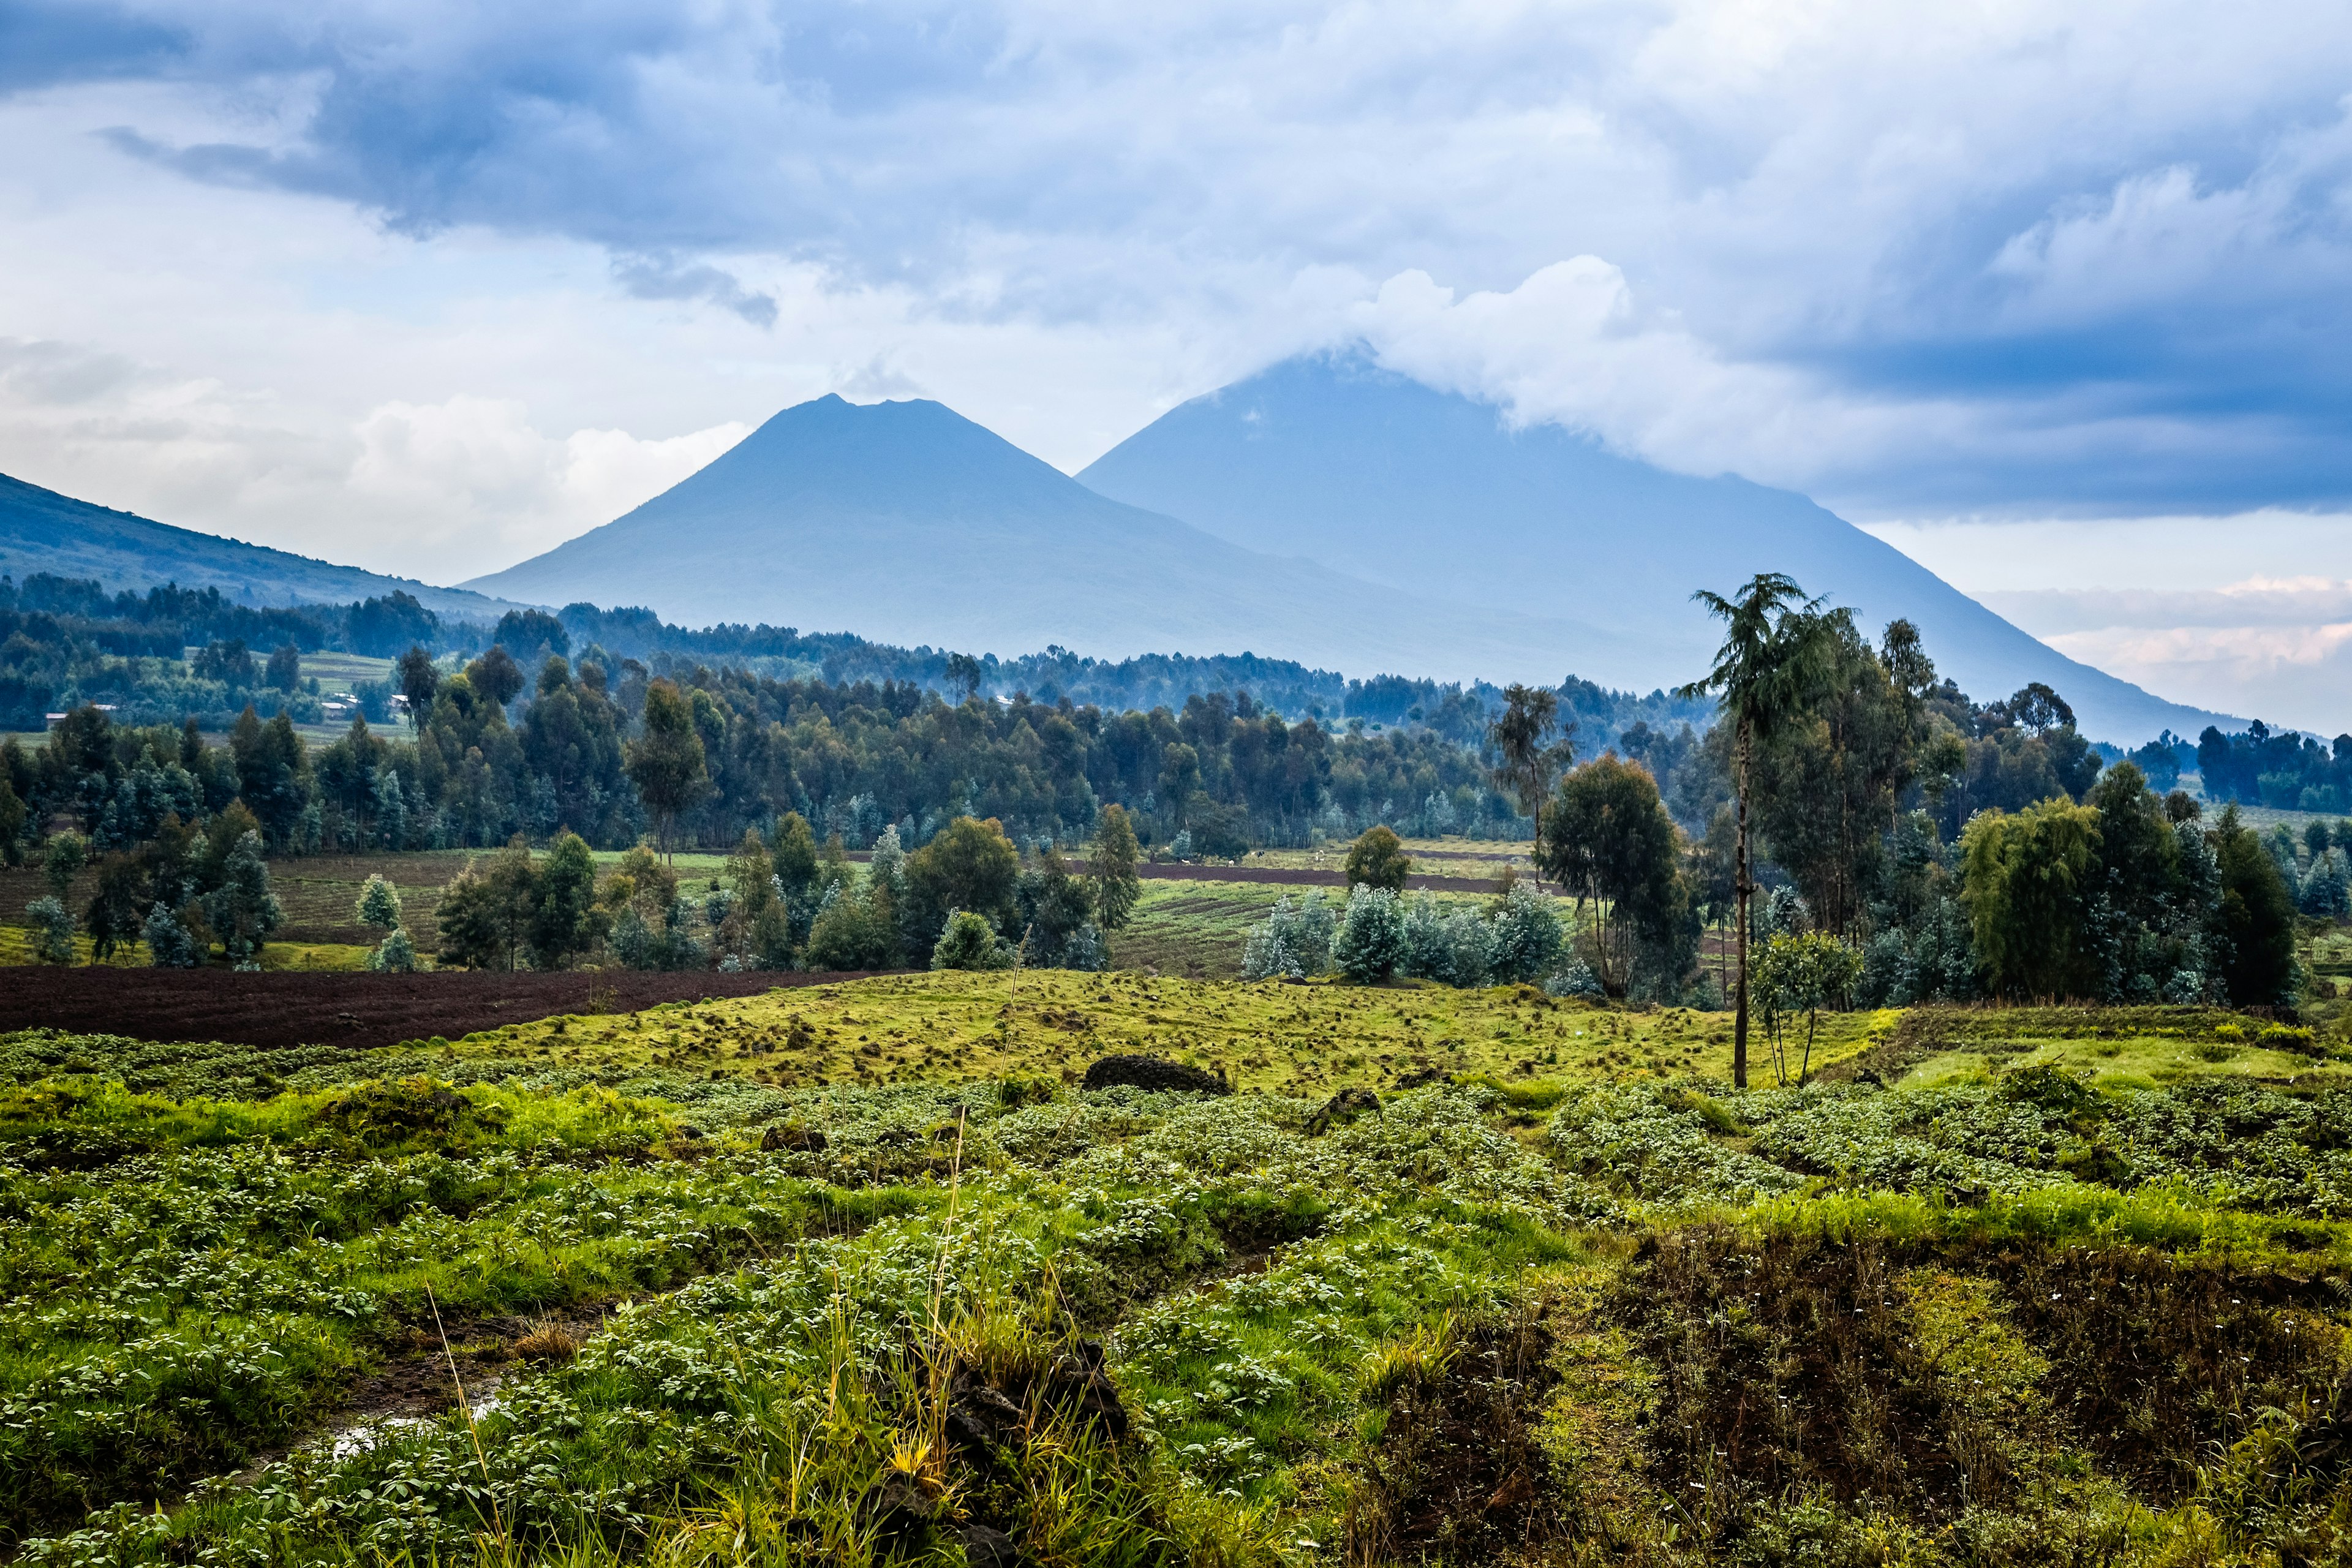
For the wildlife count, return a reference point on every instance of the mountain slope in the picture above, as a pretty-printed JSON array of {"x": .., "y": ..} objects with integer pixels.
[
  {"x": 1367, "y": 472},
  {"x": 905, "y": 522},
  {"x": 41, "y": 531}
]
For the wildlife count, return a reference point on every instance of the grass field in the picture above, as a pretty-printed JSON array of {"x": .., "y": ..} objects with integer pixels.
[
  {"x": 1276, "y": 1037},
  {"x": 856, "y": 1274},
  {"x": 1192, "y": 929},
  {"x": 344, "y": 671},
  {"x": 1449, "y": 857}
]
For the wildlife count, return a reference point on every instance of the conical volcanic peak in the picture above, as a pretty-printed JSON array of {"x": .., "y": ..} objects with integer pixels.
[
  {"x": 907, "y": 523},
  {"x": 1331, "y": 459}
]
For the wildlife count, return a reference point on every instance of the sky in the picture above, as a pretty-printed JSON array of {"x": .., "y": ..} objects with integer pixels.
[{"x": 2052, "y": 295}]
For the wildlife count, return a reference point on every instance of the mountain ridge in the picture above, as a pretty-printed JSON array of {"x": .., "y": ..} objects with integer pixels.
[
  {"x": 907, "y": 522},
  {"x": 43, "y": 531},
  {"x": 1331, "y": 458}
]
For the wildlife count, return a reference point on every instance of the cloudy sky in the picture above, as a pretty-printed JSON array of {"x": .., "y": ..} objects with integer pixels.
[{"x": 2053, "y": 295}]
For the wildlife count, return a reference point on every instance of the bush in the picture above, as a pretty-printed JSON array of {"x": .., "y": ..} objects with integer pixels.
[
  {"x": 170, "y": 945},
  {"x": 970, "y": 942},
  {"x": 379, "y": 904},
  {"x": 1372, "y": 936},
  {"x": 396, "y": 955},
  {"x": 1524, "y": 937},
  {"x": 2287, "y": 1038},
  {"x": 1377, "y": 859},
  {"x": 1292, "y": 942},
  {"x": 1086, "y": 950},
  {"x": 1577, "y": 980},
  {"x": 1449, "y": 946},
  {"x": 53, "y": 929}
]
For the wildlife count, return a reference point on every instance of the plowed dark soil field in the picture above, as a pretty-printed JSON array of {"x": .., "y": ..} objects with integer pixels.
[{"x": 270, "y": 1010}]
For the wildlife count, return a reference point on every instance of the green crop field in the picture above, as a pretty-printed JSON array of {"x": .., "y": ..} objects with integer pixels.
[{"x": 863, "y": 1273}]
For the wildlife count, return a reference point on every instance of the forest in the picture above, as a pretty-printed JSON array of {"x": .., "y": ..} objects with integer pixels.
[{"x": 172, "y": 654}]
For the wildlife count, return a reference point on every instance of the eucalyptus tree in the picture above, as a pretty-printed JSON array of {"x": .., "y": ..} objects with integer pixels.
[
  {"x": 1766, "y": 672},
  {"x": 1529, "y": 759}
]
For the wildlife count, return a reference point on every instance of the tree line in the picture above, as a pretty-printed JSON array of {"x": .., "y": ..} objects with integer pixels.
[
  {"x": 1872, "y": 835},
  {"x": 967, "y": 899},
  {"x": 1877, "y": 803},
  {"x": 614, "y": 752},
  {"x": 1946, "y": 849}
]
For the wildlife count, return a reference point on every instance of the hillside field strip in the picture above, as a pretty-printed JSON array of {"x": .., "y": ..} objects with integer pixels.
[{"x": 863, "y": 1272}]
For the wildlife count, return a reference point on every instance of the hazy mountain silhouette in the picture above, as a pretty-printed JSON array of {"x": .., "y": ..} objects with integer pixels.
[
  {"x": 1367, "y": 472},
  {"x": 41, "y": 531},
  {"x": 907, "y": 523}
]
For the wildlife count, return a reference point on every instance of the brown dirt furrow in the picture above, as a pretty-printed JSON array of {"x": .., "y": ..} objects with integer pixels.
[
  {"x": 1300, "y": 876},
  {"x": 347, "y": 1009}
]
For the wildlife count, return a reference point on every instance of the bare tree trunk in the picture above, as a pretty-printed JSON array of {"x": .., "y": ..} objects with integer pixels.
[{"x": 1741, "y": 888}]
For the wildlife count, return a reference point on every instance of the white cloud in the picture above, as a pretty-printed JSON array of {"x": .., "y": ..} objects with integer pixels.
[
  {"x": 2294, "y": 676},
  {"x": 1573, "y": 345},
  {"x": 428, "y": 287}
]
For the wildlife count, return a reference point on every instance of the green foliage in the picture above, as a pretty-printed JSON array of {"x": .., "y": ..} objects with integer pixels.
[
  {"x": 284, "y": 671},
  {"x": 1524, "y": 939},
  {"x": 857, "y": 927},
  {"x": 2257, "y": 918},
  {"x": 1676, "y": 1325},
  {"x": 2027, "y": 888},
  {"x": 1527, "y": 756},
  {"x": 394, "y": 955},
  {"x": 969, "y": 941},
  {"x": 971, "y": 866},
  {"x": 240, "y": 910},
  {"x": 1843, "y": 760},
  {"x": 62, "y": 861},
  {"x": 565, "y": 920},
  {"x": 1055, "y": 917},
  {"x": 1449, "y": 943},
  {"x": 53, "y": 929},
  {"x": 667, "y": 763},
  {"x": 1377, "y": 859},
  {"x": 378, "y": 905},
  {"x": 117, "y": 911},
  {"x": 1294, "y": 941},
  {"x": 486, "y": 912},
  {"x": 1608, "y": 840},
  {"x": 1111, "y": 860},
  {"x": 170, "y": 944},
  {"x": 1804, "y": 974},
  {"x": 1371, "y": 945},
  {"x": 795, "y": 854}
]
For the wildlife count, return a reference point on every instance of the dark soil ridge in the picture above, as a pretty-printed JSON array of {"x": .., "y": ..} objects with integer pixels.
[
  {"x": 358, "y": 1010},
  {"x": 1302, "y": 876}
]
